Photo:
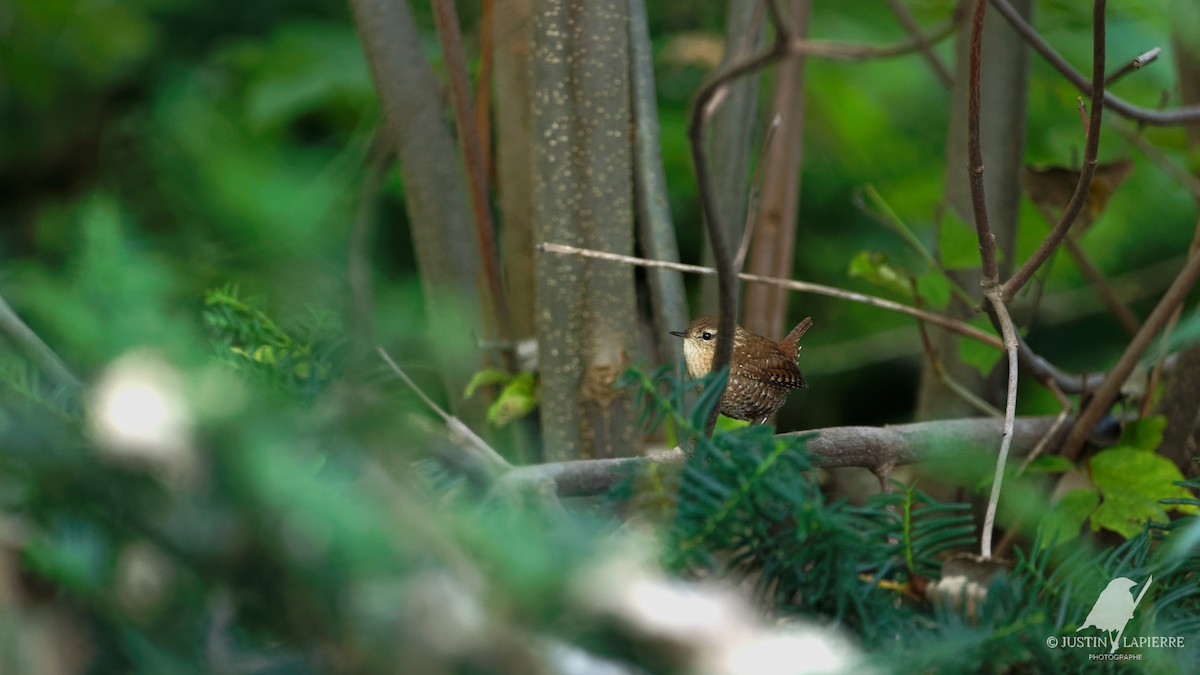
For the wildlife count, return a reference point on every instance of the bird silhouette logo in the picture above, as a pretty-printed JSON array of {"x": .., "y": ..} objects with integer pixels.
[{"x": 1114, "y": 608}]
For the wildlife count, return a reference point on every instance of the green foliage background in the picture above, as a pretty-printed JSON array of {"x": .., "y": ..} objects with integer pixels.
[{"x": 178, "y": 178}]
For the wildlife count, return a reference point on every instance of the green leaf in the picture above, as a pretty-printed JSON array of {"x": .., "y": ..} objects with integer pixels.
[
  {"x": 1066, "y": 518},
  {"x": 729, "y": 424},
  {"x": 518, "y": 398},
  {"x": 483, "y": 378},
  {"x": 1131, "y": 482},
  {"x": 958, "y": 245},
  {"x": 1145, "y": 434},
  {"x": 934, "y": 287},
  {"x": 873, "y": 267},
  {"x": 1049, "y": 464},
  {"x": 976, "y": 354}
]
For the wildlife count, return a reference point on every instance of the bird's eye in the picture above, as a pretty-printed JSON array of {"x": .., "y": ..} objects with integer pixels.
[{"x": 706, "y": 335}]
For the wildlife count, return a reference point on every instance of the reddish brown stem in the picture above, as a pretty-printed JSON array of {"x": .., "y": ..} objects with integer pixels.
[
  {"x": 1083, "y": 186},
  {"x": 449, "y": 34}
]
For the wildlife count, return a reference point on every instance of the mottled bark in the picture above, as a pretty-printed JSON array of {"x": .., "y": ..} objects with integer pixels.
[
  {"x": 435, "y": 195},
  {"x": 583, "y": 196},
  {"x": 732, "y": 130},
  {"x": 1003, "y": 98},
  {"x": 774, "y": 244}
]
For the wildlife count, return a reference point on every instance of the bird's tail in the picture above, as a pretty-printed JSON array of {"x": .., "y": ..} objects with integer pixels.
[{"x": 791, "y": 343}]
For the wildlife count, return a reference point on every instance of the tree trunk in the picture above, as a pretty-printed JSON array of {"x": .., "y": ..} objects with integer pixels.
[
  {"x": 774, "y": 243},
  {"x": 583, "y": 196},
  {"x": 435, "y": 196}
]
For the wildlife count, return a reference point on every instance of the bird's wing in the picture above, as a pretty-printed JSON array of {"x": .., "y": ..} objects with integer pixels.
[{"x": 777, "y": 369}]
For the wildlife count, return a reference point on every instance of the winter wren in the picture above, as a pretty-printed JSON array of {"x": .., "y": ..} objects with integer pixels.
[{"x": 762, "y": 373}]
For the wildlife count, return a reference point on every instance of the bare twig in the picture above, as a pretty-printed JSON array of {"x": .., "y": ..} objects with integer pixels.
[
  {"x": 488, "y": 457},
  {"x": 1111, "y": 387},
  {"x": 1010, "y": 414},
  {"x": 1124, "y": 316},
  {"x": 924, "y": 44},
  {"x": 703, "y": 108},
  {"x": 1181, "y": 115},
  {"x": 1161, "y": 362},
  {"x": 841, "y": 51},
  {"x": 952, "y": 384},
  {"x": 945, "y": 322},
  {"x": 993, "y": 292},
  {"x": 35, "y": 350},
  {"x": 1091, "y": 147},
  {"x": 1135, "y": 64},
  {"x": 448, "y": 31},
  {"x": 1151, "y": 151},
  {"x": 752, "y": 203},
  {"x": 882, "y": 211},
  {"x": 983, "y": 230}
]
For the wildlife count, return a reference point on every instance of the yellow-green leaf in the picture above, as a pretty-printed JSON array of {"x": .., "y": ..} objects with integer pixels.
[
  {"x": 1065, "y": 519},
  {"x": 874, "y": 268},
  {"x": 518, "y": 398},
  {"x": 1131, "y": 482},
  {"x": 484, "y": 378}
]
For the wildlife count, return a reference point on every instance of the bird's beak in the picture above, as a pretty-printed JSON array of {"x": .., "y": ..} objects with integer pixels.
[{"x": 677, "y": 333}]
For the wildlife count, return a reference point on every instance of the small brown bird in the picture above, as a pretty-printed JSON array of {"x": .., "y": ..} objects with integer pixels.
[{"x": 763, "y": 371}]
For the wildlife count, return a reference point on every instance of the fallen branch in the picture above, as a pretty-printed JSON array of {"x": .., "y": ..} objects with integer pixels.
[{"x": 872, "y": 448}]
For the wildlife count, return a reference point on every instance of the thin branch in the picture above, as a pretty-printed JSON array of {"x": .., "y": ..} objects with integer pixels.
[
  {"x": 944, "y": 377},
  {"x": 752, "y": 203},
  {"x": 993, "y": 292},
  {"x": 1091, "y": 147},
  {"x": 924, "y": 44},
  {"x": 1151, "y": 151},
  {"x": 446, "y": 20},
  {"x": 945, "y": 322},
  {"x": 871, "y": 448},
  {"x": 841, "y": 51},
  {"x": 882, "y": 211},
  {"x": 1135, "y": 64},
  {"x": 1181, "y": 115},
  {"x": 703, "y": 109},
  {"x": 1124, "y": 316},
  {"x": 35, "y": 349},
  {"x": 1111, "y": 387},
  {"x": 1009, "y": 332},
  {"x": 483, "y": 452},
  {"x": 1161, "y": 362},
  {"x": 983, "y": 230}
]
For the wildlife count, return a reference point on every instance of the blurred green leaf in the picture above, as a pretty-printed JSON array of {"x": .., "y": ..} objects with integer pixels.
[
  {"x": 1049, "y": 464},
  {"x": 484, "y": 378},
  {"x": 1065, "y": 520},
  {"x": 517, "y": 399},
  {"x": 976, "y": 354},
  {"x": 958, "y": 245},
  {"x": 1145, "y": 434},
  {"x": 934, "y": 287},
  {"x": 874, "y": 268},
  {"x": 1131, "y": 482}
]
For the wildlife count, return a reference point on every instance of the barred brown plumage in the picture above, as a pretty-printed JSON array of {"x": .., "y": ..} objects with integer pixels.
[{"x": 763, "y": 371}]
